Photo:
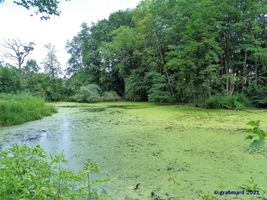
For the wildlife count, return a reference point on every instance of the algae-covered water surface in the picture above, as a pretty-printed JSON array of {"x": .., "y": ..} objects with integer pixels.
[{"x": 151, "y": 150}]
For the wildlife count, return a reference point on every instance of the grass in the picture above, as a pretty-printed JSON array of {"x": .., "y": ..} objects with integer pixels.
[{"x": 20, "y": 108}]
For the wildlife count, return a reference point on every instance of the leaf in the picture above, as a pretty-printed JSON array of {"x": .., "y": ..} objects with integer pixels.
[
  {"x": 250, "y": 130},
  {"x": 254, "y": 123},
  {"x": 249, "y": 137},
  {"x": 261, "y": 134},
  {"x": 257, "y": 144}
]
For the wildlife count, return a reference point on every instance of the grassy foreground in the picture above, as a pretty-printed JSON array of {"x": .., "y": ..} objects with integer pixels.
[{"x": 17, "y": 109}]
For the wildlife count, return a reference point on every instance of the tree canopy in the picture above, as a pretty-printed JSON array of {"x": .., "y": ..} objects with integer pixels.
[
  {"x": 176, "y": 50},
  {"x": 204, "y": 52},
  {"x": 43, "y": 7}
]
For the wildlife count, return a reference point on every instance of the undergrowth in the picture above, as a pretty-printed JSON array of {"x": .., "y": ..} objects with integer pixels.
[
  {"x": 19, "y": 108},
  {"x": 29, "y": 173}
]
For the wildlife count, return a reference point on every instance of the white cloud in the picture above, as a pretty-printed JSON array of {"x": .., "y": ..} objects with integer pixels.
[{"x": 16, "y": 22}]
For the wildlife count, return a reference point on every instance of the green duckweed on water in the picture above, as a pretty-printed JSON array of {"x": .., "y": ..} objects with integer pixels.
[{"x": 153, "y": 151}]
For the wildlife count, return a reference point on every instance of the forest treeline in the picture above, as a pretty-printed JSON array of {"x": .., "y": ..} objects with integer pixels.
[{"x": 201, "y": 52}]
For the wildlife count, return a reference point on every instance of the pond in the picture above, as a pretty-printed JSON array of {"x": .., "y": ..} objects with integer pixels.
[{"x": 149, "y": 150}]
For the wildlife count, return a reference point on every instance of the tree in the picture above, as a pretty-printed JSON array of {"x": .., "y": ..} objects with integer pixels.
[
  {"x": 43, "y": 7},
  {"x": 51, "y": 64},
  {"x": 9, "y": 79},
  {"x": 31, "y": 66},
  {"x": 177, "y": 50},
  {"x": 74, "y": 48},
  {"x": 17, "y": 51}
]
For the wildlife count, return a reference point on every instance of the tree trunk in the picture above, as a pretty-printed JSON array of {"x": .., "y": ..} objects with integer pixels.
[
  {"x": 244, "y": 70},
  {"x": 256, "y": 70}
]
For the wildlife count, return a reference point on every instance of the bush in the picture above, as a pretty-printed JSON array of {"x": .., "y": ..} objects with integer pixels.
[
  {"x": 136, "y": 87},
  {"x": 158, "y": 91},
  {"x": 110, "y": 96},
  {"x": 92, "y": 93},
  {"x": 9, "y": 79},
  {"x": 20, "y": 108},
  {"x": 28, "y": 173},
  {"x": 238, "y": 101},
  {"x": 241, "y": 101},
  {"x": 158, "y": 94},
  {"x": 260, "y": 97},
  {"x": 89, "y": 93}
]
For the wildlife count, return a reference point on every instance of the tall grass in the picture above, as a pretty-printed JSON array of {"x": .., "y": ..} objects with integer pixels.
[{"x": 20, "y": 108}]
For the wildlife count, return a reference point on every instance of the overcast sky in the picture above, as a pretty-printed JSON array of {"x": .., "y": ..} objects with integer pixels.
[{"x": 16, "y": 22}]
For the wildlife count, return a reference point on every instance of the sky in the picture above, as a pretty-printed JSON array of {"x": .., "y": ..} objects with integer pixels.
[{"x": 16, "y": 23}]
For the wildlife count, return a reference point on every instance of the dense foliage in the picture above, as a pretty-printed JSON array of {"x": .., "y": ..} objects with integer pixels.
[
  {"x": 93, "y": 93},
  {"x": 29, "y": 173},
  {"x": 17, "y": 109},
  {"x": 209, "y": 53},
  {"x": 238, "y": 101},
  {"x": 43, "y": 7},
  {"x": 177, "y": 50}
]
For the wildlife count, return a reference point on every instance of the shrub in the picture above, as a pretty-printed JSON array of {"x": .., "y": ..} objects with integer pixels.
[
  {"x": 92, "y": 93},
  {"x": 260, "y": 97},
  {"x": 158, "y": 91},
  {"x": 9, "y": 79},
  {"x": 241, "y": 101},
  {"x": 217, "y": 101},
  {"x": 136, "y": 87},
  {"x": 28, "y": 173},
  {"x": 20, "y": 108},
  {"x": 238, "y": 101},
  {"x": 110, "y": 96},
  {"x": 89, "y": 93}
]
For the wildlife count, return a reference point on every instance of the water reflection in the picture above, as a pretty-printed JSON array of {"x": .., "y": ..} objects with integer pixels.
[{"x": 52, "y": 133}]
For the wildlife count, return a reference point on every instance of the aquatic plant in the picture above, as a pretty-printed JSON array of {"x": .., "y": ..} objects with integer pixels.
[
  {"x": 256, "y": 134},
  {"x": 208, "y": 197},
  {"x": 252, "y": 188}
]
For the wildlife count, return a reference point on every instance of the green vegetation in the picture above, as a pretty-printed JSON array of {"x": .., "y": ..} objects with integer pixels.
[
  {"x": 180, "y": 151},
  {"x": 208, "y": 53},
  {"x": 29, "y": 173},
  {"x": 93, "y": 93},
  {"x": 178, "y": 51},
  {"x": 17, "y": 109},
  {"x": 256, "y": 134},
  {"x": 43, "y": 7},
  {"x": 229, "y": 102}
]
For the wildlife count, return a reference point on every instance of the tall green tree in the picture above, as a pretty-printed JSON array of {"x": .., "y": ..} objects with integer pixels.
[
  {"x": 177, "y": 50},
  {"x": 31, "y": 66}
]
